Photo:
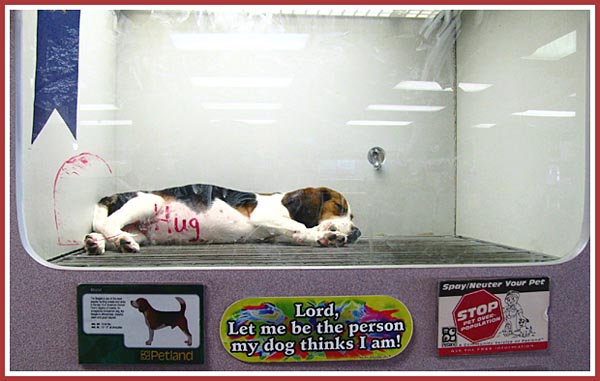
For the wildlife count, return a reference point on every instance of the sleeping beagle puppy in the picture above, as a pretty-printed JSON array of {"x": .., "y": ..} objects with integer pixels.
[
  {"x": 199, "y": 213},
  {"x": 161, "y": 319}
]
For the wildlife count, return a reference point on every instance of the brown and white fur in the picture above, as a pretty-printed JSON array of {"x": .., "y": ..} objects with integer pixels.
[
  {"x": 160, "y": 319},
  {"x": 197, "y": 214}
]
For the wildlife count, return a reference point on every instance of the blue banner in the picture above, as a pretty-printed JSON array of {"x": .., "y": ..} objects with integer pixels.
[{"x": 57, "y": 69}]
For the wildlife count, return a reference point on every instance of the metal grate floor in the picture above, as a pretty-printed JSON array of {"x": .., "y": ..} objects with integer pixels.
[{"x": 396, "y": 251}]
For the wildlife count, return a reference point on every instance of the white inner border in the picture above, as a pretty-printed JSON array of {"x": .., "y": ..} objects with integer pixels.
[{"x": 277, "y": 8}]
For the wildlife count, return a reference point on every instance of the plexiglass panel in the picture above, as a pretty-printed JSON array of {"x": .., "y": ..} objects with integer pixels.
[
  {"x": 521, "y": 129},
  {"x": 479, "y": 120}
]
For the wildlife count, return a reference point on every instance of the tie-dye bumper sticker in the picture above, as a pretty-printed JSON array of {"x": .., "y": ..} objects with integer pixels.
[{"x": 285, "y": 329}]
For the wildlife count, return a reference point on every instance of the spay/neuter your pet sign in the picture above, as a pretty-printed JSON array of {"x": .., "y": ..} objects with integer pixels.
[{"x": 493, "y": 315}]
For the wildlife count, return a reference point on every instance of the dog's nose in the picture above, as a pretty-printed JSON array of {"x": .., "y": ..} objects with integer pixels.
[{"x": 354, "y": 234}]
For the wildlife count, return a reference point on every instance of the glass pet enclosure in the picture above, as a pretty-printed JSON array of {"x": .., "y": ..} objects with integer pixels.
[{"x": 458, "y": 137}]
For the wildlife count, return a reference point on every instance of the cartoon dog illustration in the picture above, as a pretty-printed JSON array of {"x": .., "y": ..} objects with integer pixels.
[
  {"x": 160, "y": 319},
  {"x": 525, "y": 328}
]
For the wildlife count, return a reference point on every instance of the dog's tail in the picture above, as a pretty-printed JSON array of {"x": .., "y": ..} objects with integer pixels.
[{"x": 182, "y": 302}]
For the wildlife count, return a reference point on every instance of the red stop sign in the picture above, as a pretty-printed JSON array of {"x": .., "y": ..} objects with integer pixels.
[{"x": 478, "y": 316}]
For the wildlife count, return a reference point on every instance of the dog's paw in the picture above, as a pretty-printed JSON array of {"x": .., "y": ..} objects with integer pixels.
[
  {"x": 126, "y": 244},
  {"x": 332, "y": 239},
  {"x": 94, "y": 244},
  {"x": 149, "y": 342},
  {"x": 321, "y": 238}
]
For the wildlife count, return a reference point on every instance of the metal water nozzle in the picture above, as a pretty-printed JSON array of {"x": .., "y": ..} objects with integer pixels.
[{"x": 376, "y": 157}]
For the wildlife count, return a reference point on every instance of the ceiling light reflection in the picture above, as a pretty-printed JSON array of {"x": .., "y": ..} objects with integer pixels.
[
  {"x": 239, "y": 41},
  {"x": 377, "y": 123},
  {"x": 241, "y": 106},
  {"x": 241, "y": 81},
  {"x": 473, "y": 87},
  {"x": 378, "y": 107},
  {"x": 547, "y": 113},
  {"x": 106, "y": 123},
  {"x": 553, "y": 51},
  {"x": 421, "y": 86}
]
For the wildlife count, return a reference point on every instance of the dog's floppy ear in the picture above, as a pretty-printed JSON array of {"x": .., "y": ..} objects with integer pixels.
[
  {"x": 140, "y": 304},
  {"x": 304, "y": 205},
  {"x": 325, "y": 194}
]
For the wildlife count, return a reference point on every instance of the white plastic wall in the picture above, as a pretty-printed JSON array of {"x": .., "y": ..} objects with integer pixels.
[
  {"x": 269, "y": 103},
  {"x": 522, "y": 140},
  {"x": 274, "y": 104}
]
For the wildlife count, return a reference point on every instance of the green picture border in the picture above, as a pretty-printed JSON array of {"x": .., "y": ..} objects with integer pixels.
[{"x": 110, "y": 349}]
